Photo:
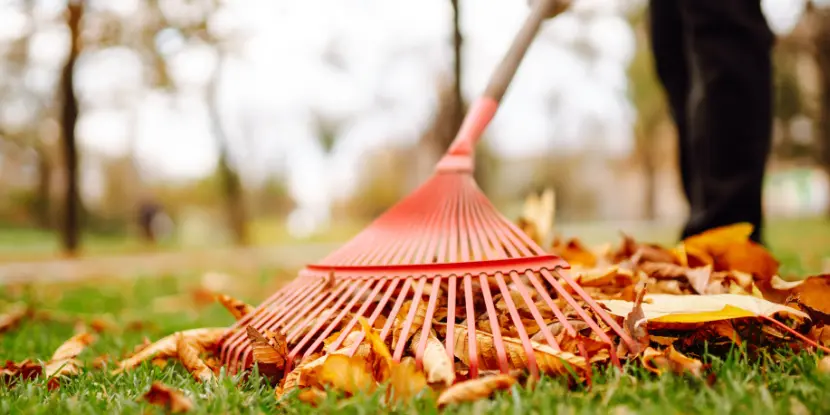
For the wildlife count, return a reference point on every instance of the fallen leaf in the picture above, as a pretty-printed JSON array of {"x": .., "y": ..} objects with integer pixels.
[
  {"x": 237, "y": 308},
  {"x": 400, "y": 319},
  {"x": 13, "y": 316},
  {"x": 63, "y": 361},
  {"x": 437, "y": 364},
  {"x": 550, "y": 361},
  {"x": 670, "y": 360},
  {"x": 700, "y": 308},
  {"x": 574, "y": 253},
  {"x": 348, "y": 374},
  {"x": 170, "y": 398},
  {"x": 635, "y": 325},
  {"x": 821, "y": 335},
  {"x": 405, "y": 380},
  {"x": 812, "y": 295},
  {"x": 12, "y": 372},
  {"x": 271, "y": 354},
  {"x": 166, "y": 347},
  {"x": 824, "y": 365},
  {"x": 311, "y": 396},
  {"x": 188, "y": 353},
  {"x": 475, "y": 389}
]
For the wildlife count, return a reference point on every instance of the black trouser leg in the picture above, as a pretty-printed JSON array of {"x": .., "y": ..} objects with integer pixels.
[
  {"x": 671, "y": 63},
  {"x": 730, "y": 109},
  {"x": 727, "y": 47}
]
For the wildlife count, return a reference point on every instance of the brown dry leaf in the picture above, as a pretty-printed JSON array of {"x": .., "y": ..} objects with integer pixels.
[
  {"x": 170, "y": 398},
  {"x": 271, "y": 354},
  {"x": 574, "y": 253},
  {"x": 11, "y": 372},
  {"x": 670, "y": 360},
  {"x": 475, "y": 389},
  {"x": 188, "y": 353},
  {"x": 348, "y": 374},
  {"x": 751, "y": 258},
  {"x": 417, "y": 321},
  {"x": 635, "y": 324},
  {"x": 437, "y": 363},
  {"x": 166, "y": 347},
  {"x": 550, "y": 361},
  {"x": 606, "y": 276},
  {"x": 812, "y": 295},
  {"x": 303, "y": 375},
  {"x": 237, "y": 308},
  {"x": 405, "y": 380},
  {"x": 824, "y": 365},
  {"x": 13, "y": 316},
  {"x": 821, "y": 335},
  {"x": 311, "y": 396},
  {"x": 63, "y": 362}
]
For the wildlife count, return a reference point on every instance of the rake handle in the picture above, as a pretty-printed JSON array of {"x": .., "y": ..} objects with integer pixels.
[{"x": 459, "y": 155}]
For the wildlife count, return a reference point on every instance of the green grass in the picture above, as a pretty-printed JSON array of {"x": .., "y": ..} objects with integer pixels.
[{"x": 776, "y": 384}]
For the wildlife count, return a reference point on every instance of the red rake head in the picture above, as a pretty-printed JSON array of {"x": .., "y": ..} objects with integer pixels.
[{"x": 444, "y": 259}]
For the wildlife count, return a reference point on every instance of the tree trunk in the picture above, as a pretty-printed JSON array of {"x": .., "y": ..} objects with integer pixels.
[
  {"x": 70, "y": 228},
  {"x": 229, "y": 177}
]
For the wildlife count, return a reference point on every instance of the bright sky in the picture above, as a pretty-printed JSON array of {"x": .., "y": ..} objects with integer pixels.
[{"x": 391, "y": 51}]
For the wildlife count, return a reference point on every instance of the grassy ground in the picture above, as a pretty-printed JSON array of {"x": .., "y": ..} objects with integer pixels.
[{"x": 779, "y": 384}]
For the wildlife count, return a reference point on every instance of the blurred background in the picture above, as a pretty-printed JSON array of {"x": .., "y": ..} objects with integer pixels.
[{"x": 129, "y": 126}]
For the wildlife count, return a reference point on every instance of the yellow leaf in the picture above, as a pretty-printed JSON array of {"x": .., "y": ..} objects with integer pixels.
[
  {"x": 700, "y": 308},
  {"x": 475, "y": 389},
  {"x": 406, "y": 380},
  {"x": 311, "y": 396},
  {"x": 347, "y": 374}
]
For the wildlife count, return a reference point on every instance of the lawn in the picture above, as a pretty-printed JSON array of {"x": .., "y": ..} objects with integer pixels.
[{"x": 778, "y": 383}]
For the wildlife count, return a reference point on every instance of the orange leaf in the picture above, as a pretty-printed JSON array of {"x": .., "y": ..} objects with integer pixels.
[
  {"x": 188, "y": 352},
  {"x": 574, "y": 253},
  {"x": 475, "y": 389},
  {"x": 237, "y": 308},
  {"x": 166, "y": 347},
  {"x": 670, "y": 360},
  {"x": 168, "y": 397},
  {"x": 13, "y": 316},
  {"x": 63, "y": 360},
  {"x": 311, "y": 396}
]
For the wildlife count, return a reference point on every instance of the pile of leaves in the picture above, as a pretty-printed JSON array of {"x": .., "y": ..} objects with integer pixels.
[{"x": 708, "y": 294}]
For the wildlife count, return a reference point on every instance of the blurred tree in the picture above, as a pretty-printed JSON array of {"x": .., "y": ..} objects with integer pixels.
[
  {"x": 646, "y": 95},
  {"x": 449, "y": 114},
  {"x": 229, "y": 175},
  {"x": 821, "y": 36},
  {"x": 70, "y": 228}
]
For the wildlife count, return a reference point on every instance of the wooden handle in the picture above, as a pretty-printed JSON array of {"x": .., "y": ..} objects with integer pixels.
[
  {"x": 500, "y": 80},
  {"x": 484, "y": 109}
]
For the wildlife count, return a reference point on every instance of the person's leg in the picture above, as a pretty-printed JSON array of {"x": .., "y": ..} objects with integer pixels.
[
  {"x": 730, "y": 109},
  {"x": 668, "y": 47}
]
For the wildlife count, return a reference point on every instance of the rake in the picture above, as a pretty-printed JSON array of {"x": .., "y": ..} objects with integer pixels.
[{"x": 445, "y": 245}]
